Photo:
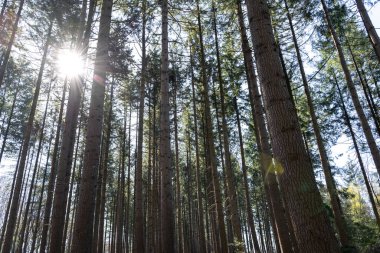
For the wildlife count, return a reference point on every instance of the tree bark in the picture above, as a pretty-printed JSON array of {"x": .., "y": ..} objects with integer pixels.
[
  {"x": 83, "y": 226},
  {"x": 167, "y": 211},
  {"x": 201, "y": 226},
  {"x": 312, "y": 228},
  {"x": 139, "y": 200},
  {"x": 231, "y": 188}
]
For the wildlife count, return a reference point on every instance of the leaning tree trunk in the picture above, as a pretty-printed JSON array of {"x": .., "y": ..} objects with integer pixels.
[
  {"x": 372, "y": 34},
  {"x": 354, "y": 95},
  {"x": 299, "y": 188},
  {"x": 11, "y": 223},
  {"x": 330, "y": 181},
  {"x": 280, "y": 224},
  {"x": 83, "y": 228}
]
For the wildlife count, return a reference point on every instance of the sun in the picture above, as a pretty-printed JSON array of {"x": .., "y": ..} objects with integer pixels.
[{"x": 70, "y": 63}]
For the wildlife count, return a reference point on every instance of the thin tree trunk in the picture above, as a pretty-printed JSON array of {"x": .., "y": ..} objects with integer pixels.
[
  {"x": 180, "y": 246},
  {"x": 201, "y": 226},
  {"x": 83, "y": 228},
  {"x": 139, "y": 200},
  {"x": 247, "y": 196},
  {"x": 103, "y": 176},
  {"x": 7, "y": 244},
  {"x": 167, "y": 210},
  {"x": 231, "y": 188},
  {"x": 313, "y": 231},
  {"x": 354, "y": 96},
  {"x": 210, "y": 148},
  {"x": 121, "y": 194}
]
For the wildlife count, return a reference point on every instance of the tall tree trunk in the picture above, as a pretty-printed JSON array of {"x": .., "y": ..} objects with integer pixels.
[
  {"x": 247, "y": 196},
  {"x": 180, "y": 246},
  {"x": 330, "y": 181},
  {"x": 121, "y": 193},
  {"x": 103, "y": 177},
  {"x": 167, "y": 211},
  {"x": 139, "y": 200},
  {"x": 210, "y": 147},
  {"x": 231, "y": 188},
  {"x": 83, "y": 228},
  {"x": 351, "y": 87},
  {"x": 280, "y": 224},
  {"x": 201, "y": 226},
  {"x": 7, "y": 244},
  {"x": 7, "y": 53},
  {"x": 313, "y": 231},
  {"x": 64, "y": 168},
  {"x": 373, "y": 36}
]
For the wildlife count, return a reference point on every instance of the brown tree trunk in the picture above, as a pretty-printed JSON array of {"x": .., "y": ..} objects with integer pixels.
[
  {"x": 312, "y": 228},
  {"x": 167, "y": 209},
  {"x": 201, "y": 226},
  {"x": 210, "y": 149},
  {"x": 231, "y": 188},
  {"x": 83, "y": 228},
  {"x": 247, "y": 196},
  {"x": 139, "y": 200},
  {"x": 180, "y": 246},
  {"x": 103, "y": 176},
  {"x": 279, "y": 221}
]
